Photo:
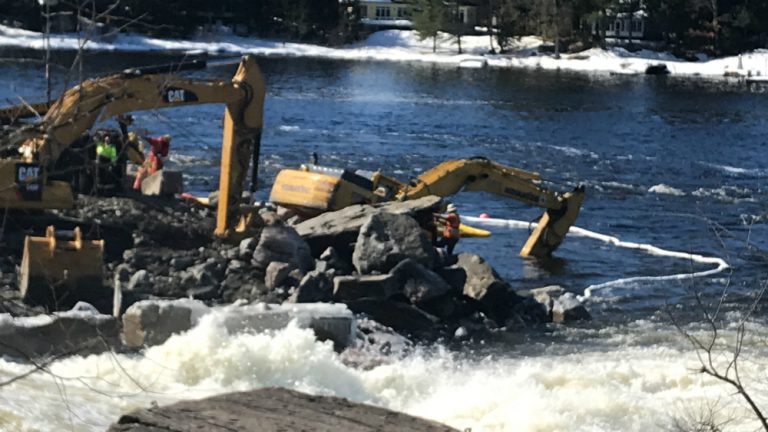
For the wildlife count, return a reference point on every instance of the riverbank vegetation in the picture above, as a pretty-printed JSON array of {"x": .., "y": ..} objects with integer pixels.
[{"x": 715, "y": 27}]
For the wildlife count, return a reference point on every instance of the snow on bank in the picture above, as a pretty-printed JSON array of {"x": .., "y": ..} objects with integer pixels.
[{"x": 404, "y": 45}]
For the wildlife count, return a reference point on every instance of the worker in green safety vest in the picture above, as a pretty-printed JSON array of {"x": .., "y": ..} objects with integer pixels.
[{"x": 106, "y": 151}]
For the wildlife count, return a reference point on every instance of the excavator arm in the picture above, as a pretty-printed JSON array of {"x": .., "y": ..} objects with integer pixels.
[
  {"x": 99, "y": 99},
  {"x": 480, "y": 174}
]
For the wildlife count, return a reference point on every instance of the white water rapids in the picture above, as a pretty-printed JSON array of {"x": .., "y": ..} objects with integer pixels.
[{"x": 636, "y": 377}]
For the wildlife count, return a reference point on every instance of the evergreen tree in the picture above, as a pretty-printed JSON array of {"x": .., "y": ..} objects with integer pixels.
[{"x": 429, "y": 16}]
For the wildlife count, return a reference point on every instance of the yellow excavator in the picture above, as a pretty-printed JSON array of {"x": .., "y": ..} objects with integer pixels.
[
  {"x": 26, "y": 179},
  {"x": 36, "y": 154},
  {"x": 314, "y": 189}
]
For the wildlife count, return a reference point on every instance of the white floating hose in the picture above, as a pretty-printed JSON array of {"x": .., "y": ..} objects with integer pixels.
[{"x": 650, "y": 249}]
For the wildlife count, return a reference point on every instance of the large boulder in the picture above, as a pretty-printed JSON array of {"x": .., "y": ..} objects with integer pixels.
[
  {"x": 340, "y": 228},
  {"x": 269, "y": 410},
  {"x": 487, "y": 287},
  {"x": 315, "y": 286},
  {"x": 281, "y": 243},
  {"x": 401, "y": 317},
  {"x": 387, "y": 239},
  {"x": 418, "y": 283},
  {"x": 567, "y": 308},
  {"x": 353, "y": 287}
]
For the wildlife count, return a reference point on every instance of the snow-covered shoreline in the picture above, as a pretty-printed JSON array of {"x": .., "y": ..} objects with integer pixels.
[{"x": 404, "y": 46}]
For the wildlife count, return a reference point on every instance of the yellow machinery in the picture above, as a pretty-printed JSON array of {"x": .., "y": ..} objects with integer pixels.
[
  {"x": 24, "y": 180},
  {"x": 56, "y": 273},
  {"x": 51, "y": 270},
  {"x": 313, "y": 189}
]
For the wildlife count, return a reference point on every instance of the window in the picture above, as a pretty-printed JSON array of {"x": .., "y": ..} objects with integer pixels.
[
  {"x": 462, "y": 16},
  {"x": 619, "y": 26},
  {"x": 383, "y": 12},
  {"x": 637, "y": 26},
  {"x": 403, "y": 12},
  {"x": 363, "y": 11}
]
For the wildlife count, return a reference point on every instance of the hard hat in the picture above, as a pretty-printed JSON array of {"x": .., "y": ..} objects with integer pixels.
[
  {"x": 132, "y": 136},
  {"x": 484, "y": 216},
  {"x": 167, "y": 137},
  {"x": 451, "y": 208}
]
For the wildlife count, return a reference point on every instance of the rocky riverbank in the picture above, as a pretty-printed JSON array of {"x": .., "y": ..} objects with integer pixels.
[{"x": 376, "y": 259}]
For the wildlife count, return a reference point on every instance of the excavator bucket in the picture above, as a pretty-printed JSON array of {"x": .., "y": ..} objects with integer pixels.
[
  {"x": 553, "y": 226},
  {"x": 58, "y": 273}
]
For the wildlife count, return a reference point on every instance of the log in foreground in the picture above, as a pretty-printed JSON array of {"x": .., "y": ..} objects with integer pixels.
[{"x": 272, "y": 410}]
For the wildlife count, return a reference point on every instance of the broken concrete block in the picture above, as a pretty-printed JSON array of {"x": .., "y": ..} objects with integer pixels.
[
  {"x": 332, "y": 322},
  {"x": 80, "y": 331},
  {"x": 163, "y": 182},
  {"x": 152, "y": 322}
]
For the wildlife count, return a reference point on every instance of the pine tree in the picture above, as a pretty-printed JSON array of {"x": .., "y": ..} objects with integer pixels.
[{"x": 428, "y": 18}]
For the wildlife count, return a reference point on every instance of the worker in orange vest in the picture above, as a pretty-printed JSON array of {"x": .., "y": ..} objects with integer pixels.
[
  {"x": 451, "y": 233},
  {"x": 159, "y": 148}
]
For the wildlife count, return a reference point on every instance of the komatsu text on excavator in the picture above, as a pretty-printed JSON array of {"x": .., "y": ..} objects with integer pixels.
[
  {"x": 31, "y": 165},
  {"x": 314, "y": 189}
]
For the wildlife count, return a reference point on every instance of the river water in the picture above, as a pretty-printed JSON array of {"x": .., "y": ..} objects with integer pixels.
[{"x": 674, "y": 163}]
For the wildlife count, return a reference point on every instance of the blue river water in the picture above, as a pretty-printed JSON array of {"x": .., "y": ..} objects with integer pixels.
[
  {"x": 675, "y": 163},
  {"x": 679, "y": 164}
]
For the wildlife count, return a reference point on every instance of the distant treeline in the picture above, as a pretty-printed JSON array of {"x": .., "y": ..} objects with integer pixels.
[{"x": 712, "y": 26}]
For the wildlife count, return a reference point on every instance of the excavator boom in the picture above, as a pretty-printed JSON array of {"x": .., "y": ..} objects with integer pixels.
[
  {"x": 76, "y": 112},
  {"x": 314, "y": 189}
]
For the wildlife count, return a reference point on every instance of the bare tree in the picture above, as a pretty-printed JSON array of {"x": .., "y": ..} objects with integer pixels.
[{"x": 721, "y": 353}]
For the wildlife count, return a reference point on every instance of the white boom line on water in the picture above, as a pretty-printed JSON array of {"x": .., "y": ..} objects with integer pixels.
[{"x": 615, "y": 241}]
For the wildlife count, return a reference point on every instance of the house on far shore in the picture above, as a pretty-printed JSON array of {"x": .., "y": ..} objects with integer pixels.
[
  {"x": 624, "y": 27},
  {"x": 383, "y": 14}
]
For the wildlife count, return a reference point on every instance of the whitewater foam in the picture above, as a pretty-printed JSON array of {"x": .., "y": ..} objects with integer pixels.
[{"x": 629, "y": 387}]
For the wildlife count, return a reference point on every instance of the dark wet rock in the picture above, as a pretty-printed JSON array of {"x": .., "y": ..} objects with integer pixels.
[
  {"x": 418, "y": 283},
  {"x": 271, "y": 410},
  {"x": 182, "y": 262},
  {"x": 277, "y": 273},
  {"x": 247, "y": 246},
  {"x": 353, "y": 287},
  {"x": 528, "y": 313},
  {"x": 568, "y": 308},
  {"x": 235, "y": 265},
  {"x": 387, "y": 239},
  {"x": 316, "y": 286},
  {"x": 335, "y": 261},
  {"x": 340, "y": 229},
  {"x": 402, "y": 317},
  {"x": 455, "y": 276},
  {"x": 545, "y": 296},
  {"x": 231, "y": 253},
  {"x": 487, "y": 287},
  {"x": 282, "y": 243}
]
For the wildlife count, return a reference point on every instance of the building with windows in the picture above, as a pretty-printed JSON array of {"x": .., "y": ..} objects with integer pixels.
[{"x": 397, "y": 13}]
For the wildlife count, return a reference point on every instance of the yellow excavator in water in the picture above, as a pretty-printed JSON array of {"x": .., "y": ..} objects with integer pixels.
[{"x": 314, "y": 189}]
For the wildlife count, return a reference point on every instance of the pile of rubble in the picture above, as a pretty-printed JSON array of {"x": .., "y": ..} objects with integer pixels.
[{"x": 375, "y": 259}]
